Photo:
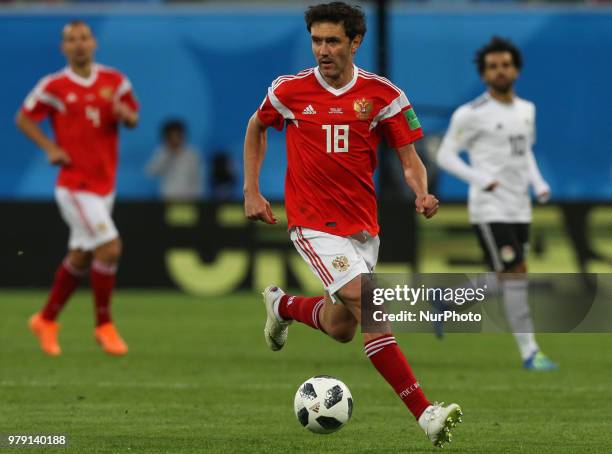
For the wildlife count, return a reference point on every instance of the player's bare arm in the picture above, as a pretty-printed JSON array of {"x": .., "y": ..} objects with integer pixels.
[
  {"x": 415, "y": 175},
  {"x": 256, "y": 207},
  {"x": 55, "y": 155},
  {"x": 127, "y": 116}
]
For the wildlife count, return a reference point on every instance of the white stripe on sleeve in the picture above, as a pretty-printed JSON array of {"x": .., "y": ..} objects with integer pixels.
[
  {"x": 280, "y": 107},
  {"x": 390, "y": 110}
]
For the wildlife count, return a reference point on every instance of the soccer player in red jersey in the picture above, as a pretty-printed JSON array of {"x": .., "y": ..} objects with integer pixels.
[
  {"x": 86, "y": 103},
  {"x": 335, "y": 115}
]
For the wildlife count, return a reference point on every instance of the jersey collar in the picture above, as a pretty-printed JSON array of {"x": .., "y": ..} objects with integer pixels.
[
  {"x": 488, "y": 97},
  {"x": 83, "y": 81},
  {"x": 337, "y": 91}
]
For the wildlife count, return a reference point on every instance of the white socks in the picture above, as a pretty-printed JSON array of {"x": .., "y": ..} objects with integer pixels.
[{"x": 515, "y": 294}]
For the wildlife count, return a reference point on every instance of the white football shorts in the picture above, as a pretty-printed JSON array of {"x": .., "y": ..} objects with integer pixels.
[
  {"x": 336, "y": 260},
  {"x": 88, "y": 216}
]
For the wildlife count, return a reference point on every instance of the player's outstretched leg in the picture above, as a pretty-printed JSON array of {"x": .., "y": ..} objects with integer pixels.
[
  {"x": 436, "y": 420},
  {"x": 43, "y": 324},
  {"x": 103, "y": 271},
  {"x": 381, "y": 348},
  {"x": 318, "y": 312}
]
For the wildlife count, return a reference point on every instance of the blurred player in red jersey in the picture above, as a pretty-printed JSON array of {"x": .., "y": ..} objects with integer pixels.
[
  {"x": 335, "y": 115},
  {"x": 85, "y": 102}
]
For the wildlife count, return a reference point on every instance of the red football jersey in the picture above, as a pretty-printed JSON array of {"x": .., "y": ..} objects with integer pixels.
[
  {"x": 332, "y": 136},
  {"x": 81, "y": 114}
]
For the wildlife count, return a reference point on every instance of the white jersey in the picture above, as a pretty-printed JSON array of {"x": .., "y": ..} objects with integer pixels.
[
  {"x": 181, "y": 173},
  {"x": 498, "y": 138}
]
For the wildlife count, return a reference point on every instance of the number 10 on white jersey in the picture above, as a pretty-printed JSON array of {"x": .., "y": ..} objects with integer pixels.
[{"x": 337, "y": 138}]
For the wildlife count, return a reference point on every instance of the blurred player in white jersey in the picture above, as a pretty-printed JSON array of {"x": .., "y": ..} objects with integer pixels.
[{"x": 497, "y": 130}]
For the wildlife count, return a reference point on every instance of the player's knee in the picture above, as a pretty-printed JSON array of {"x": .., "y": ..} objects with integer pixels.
[
  {"x": 345, "y": 334},
  {"x": 344, "y": 331},
  {"x": 109, "y": 252},
  {"x": 114, "y": 250},
  {"x": 79, "y": 260}
]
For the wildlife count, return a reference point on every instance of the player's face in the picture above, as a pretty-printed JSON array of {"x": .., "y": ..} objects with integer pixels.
[
  {"x": 78, "y": 44},
  {"x": 499, "y": 71},
  {"x": 174, "y": 139},
  {"x": 332, "y": 49}
]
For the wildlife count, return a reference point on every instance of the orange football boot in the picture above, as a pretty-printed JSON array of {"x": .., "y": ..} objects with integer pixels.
[
  {"x": 46, "y": 331},
  {"x": 110, "y": 340}
]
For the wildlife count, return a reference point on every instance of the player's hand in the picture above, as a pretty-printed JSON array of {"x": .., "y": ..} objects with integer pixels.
[
  {"x": 123, "y": 112},
  {"x": 257, "y": 208},
  {"x": 57, "y": 157},
  {"x": 543, "y": 196},
  {"x": 491, "y": 187},
  {"x": 427, "y": 205}
]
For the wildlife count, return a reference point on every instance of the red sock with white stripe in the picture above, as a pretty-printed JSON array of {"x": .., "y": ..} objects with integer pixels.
[
  {"x": 66, "y": 280},
  {"x": 102, "y": 284},
  {"x": 301, "y": 308},
  {"x": 392, "y": 365}
]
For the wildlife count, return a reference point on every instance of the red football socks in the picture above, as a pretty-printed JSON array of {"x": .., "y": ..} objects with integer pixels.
[
  {"x": 303, "y": 309},
  {"x": 66, "y": 280},
  {"x": 102, "y": 284},
  {"x": 392, "y": 365}
]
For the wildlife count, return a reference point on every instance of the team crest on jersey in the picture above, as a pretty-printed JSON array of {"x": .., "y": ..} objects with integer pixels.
[
  {"x": 106, "y": 93},
  {"x": 341, "y": 263},
  {"x": 363, "y": 108}
]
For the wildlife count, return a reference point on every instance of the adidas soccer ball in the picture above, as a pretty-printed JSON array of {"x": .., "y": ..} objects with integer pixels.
[{"x": 323, "y": 404}]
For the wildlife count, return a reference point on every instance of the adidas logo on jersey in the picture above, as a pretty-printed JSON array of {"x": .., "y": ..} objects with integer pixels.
[{"x": 309, "y": 110}]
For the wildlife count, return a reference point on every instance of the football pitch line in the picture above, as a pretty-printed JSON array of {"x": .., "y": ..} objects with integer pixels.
[{"x": 262, "y": 386}]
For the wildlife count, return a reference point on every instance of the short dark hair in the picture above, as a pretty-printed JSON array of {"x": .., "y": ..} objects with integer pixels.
[
  {"x": 498, "y": 44},
  {"x": 173, "y": 124},
  {"x": 352, "y": 18}
]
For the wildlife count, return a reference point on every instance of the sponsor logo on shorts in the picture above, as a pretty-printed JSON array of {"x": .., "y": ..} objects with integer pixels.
[
  {"x": 341, "y": 263},
  {"x": 101, "y": 227},
  {"x": 507, "y": 254}
]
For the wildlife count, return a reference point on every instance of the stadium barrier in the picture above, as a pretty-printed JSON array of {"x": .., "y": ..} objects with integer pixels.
[{"x": 211, "y": 249}]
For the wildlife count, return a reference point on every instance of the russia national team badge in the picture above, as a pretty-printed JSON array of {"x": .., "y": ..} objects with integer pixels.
[
  {"x": 362, "y": 108},
  {"x": 106, "y": 93},
  {"x": 341, "y": 263}
]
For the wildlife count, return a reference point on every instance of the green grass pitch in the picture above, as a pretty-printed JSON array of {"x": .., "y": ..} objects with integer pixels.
[{"x": 199, "y": 378}]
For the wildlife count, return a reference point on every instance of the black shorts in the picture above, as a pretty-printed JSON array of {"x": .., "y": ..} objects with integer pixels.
[{"x": 504, "y": 244}]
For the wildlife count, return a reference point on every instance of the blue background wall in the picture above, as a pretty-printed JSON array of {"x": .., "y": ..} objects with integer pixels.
[{"x": 212, "y": 67}]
